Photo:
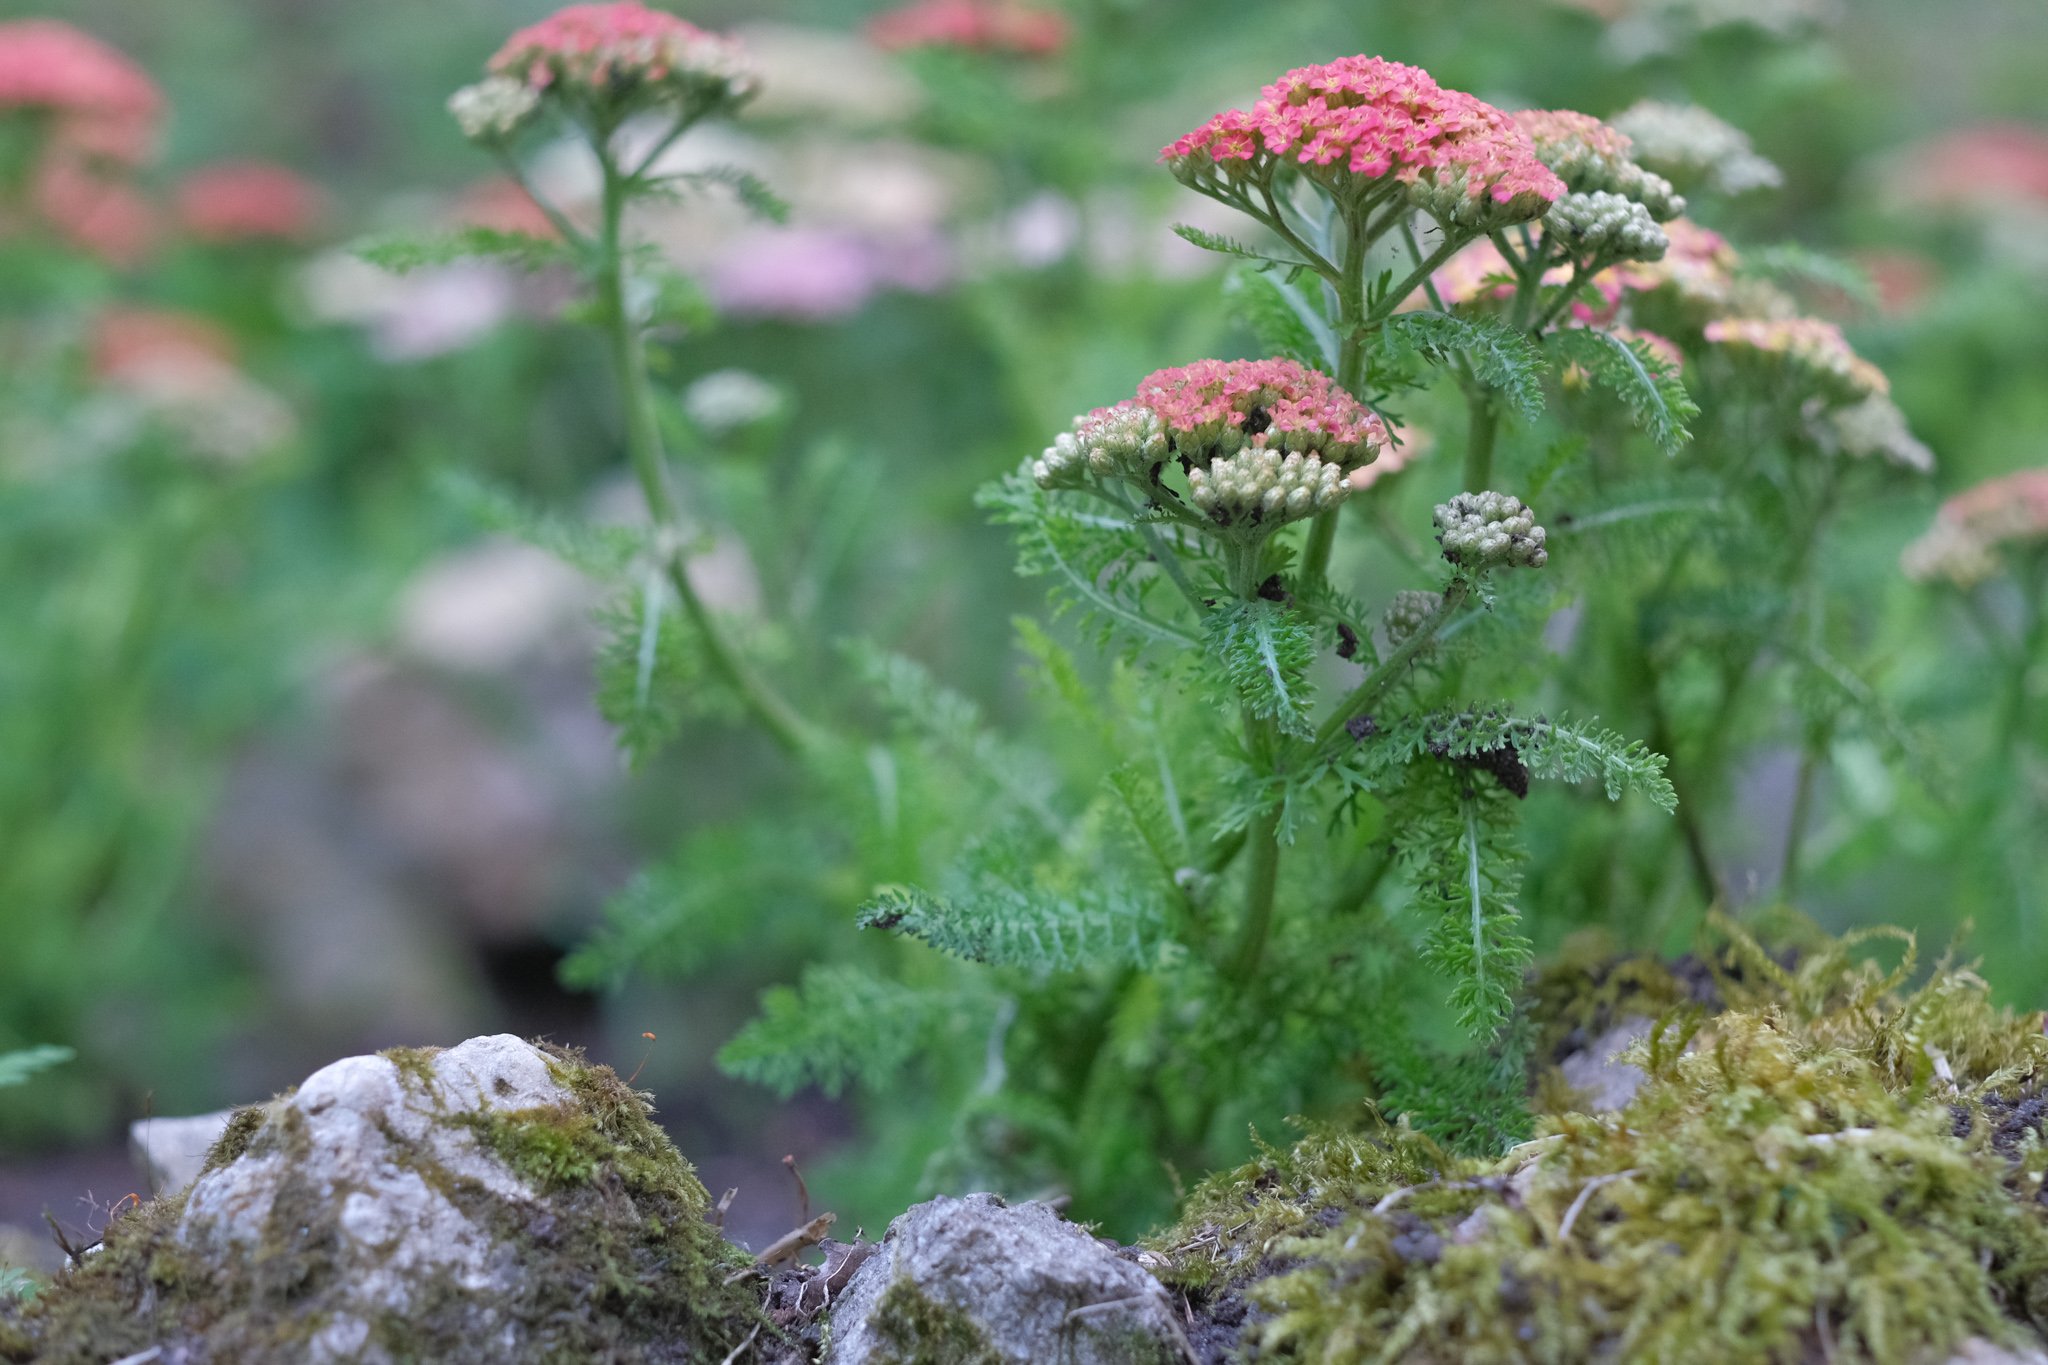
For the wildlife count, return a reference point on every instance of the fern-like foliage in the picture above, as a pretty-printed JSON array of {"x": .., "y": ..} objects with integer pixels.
[
  {"x": 951, "y": 725},
  {"x": 1280, "y": 315},
  {"x": 1097, "y": 564},
  {"x": 1264, "y": 651},
  {"x": 752, "y": 192},
  {"x": 603, "y": 552},
  {"x": 1230, "y": 246},
  {"x": 401, "y": 255},
  {"x": 17, "y": 1067},
  {"x": 841, "y": 1025},
  {"x": 1647, "y": 384},
  {"x": 1503, "y": 359},
  {"x": 648, "y": 674},
  {"x": 1474, "y": 1102},
  {"x": 997, "y": 917},
  {"x": 1467, "y": 873}
]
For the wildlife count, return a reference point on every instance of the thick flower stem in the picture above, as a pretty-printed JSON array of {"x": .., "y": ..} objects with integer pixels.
[
  {"x": 1481, "y": 433},
  {"x": 643, "y": 447}
]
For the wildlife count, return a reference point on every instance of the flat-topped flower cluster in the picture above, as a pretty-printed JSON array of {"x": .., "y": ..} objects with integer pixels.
[
  {"x": 612, "y": 57},
  {"x": 1358, "y": 122},
  {"x": 1814, "y": 348},
  {"x": 1263, "y": 442},
  {"x": 1970, "y": 530}
]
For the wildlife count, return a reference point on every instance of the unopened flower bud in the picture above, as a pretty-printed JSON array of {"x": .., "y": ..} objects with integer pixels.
[
  {"x": 1122, "y": 442},
  {"x": 1592, "y": 157},
  {"x": 1490, "y": 530},
  {"x": 1694, "y": 148},
  {"x": 1606, "y": 225},
  {"x": 1263, "y": 487},
  {"x": 1407, "y": 613},
  {"x": 494, "y": 108}
]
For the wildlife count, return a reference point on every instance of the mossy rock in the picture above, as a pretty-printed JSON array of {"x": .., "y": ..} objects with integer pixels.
[
  {"x": 1836, "y": 1166},
  {"x": 494, "y": 1202}
]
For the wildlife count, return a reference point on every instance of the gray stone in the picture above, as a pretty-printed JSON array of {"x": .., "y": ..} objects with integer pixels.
[
  {"x": 169, "y": 1152},
  {"x": 1606, "y": 1084},
  {"x": 1033, "y": 1288},
  {"x": 1978, "y": 1351}
]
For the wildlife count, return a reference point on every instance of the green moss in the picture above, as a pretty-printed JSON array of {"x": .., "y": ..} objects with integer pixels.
[
  {"x": 914, "y": 1328},
  {"x": 415, "y": 1064},
  {"x": 1803, "y": 1182},
  {"x": 234, "y": 1139}
]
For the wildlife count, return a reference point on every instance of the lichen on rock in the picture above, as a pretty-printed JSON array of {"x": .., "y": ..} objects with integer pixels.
[
  {"x": 495, "y": 1201},
  {"x": 1823, "y": 1170}
]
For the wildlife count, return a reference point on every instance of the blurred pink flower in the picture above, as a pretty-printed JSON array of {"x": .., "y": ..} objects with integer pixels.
[
  {"x": 1973, "y": 525},
  {"x": 248, "y": 200},
  {"x": 605, "y": 49},
  {"x": 96, "y": 213},
  {"x": 976, "y": 25},
  {"x": 502, "y": 205},
  {"x": 815, "y": 273},
  {"x": 1988, "y": 163},
  {"x": 105, "y": 105},
  {"x": 127, "y": 341}
]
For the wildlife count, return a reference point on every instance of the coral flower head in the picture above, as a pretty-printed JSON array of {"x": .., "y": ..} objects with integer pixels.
[
  {"x": 1359, "y": 124},
  {"x": 248, "y": 200},
  {"x": 622, "y": 52},
  {"x": 975, "y": 25},
  {"x": 1812, "y": 348},
  {"x": 1962, "y": 546},
  {"x": 104, "y": 104}
]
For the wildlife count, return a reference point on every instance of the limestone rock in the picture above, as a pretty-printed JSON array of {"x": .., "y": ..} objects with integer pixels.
[
  {"x": 1606, "y": 1084},
  {"x": 491, "y": 1202},
  {"x": 168, "y": 1153},
  {"x": 979, "y": 1282}
]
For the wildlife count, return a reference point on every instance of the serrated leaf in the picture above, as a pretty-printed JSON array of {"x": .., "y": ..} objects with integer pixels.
[
  {"x": 1230, "y": 246},
  {"x": 18, "y": 1066},
  {"x": 401, "y": 255},
  {"x": 1281, "y": 318},
  {"x": 752, "y": 192},
  {"x": 604, "y": 552},
  {"x": 999, "y": 923},
  {"x": 1502, "y": 358},
  {"x": 1265, "y": 651},
  {"x": 1647, "y": 385},
  {"x": 840, "y": 1025}
]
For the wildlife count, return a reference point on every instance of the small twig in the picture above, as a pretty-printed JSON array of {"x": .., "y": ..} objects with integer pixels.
[
  {"x": 723, "y": 1204},
  {"x": 63, "y": 1242},
  {"x": 788, "y": 1246},
  {"x": 643, "y": 1060},
  {"x": 734, "y": 1354},
  {"x": 1824, "y": 1334},
  {"x": 1571, "y": 1215},
  {"x": 1394, "y": 1197},
  {"x": 141, "y": 1357},
  {"x": 803, "y": 1191}
]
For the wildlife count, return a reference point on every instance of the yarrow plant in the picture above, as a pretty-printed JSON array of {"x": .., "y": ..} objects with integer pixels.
[{"x": 1283, "y": 868}]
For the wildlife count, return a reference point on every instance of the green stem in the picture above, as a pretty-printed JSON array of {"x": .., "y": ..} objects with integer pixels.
[
  {"x": 1480, "y": 434},
  {"x": 1322, "y": 533},
  {"x": 1802, "y": 809},
  {"x": 1390, "y": 670},
  {"x": 643, "y": 447}
]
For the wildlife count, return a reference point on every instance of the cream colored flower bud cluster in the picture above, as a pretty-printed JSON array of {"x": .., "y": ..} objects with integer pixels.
[
  {"x": 494, "y": 108},
  {"x": 1407, "y": 612},
  {"x": 1874, "y": 427},
  {"x": 1123, "y": 442},
  {"x": 1694, "y": 148},
  {"x": 1263, "y": 487},
  {"x": 1490, "y": 530},
  {"x": 1610, "y": 226}
]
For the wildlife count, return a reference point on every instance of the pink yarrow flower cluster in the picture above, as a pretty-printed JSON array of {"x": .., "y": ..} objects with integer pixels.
[
  {"x": 105, "y": 105},
  {"x": 1816, "y": 348},
  {"x": 1216, "y": 407},
  {"x": 1356, "y": 123},
  {"x": 621, "y": 49},
  {"x": 974, "y": 25},
  {"x": 236, "y": 201},
  {"x": 1971, "y": 527}
]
